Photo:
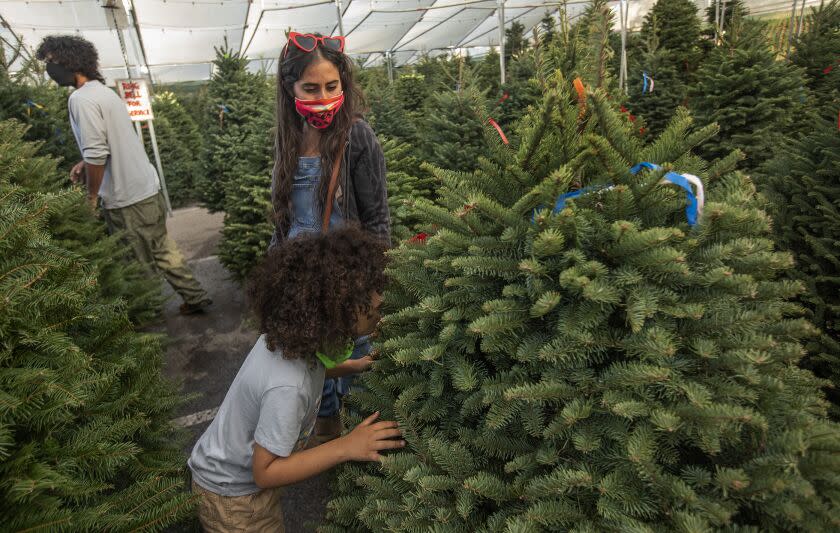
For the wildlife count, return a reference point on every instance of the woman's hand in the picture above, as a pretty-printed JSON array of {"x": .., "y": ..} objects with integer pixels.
[{"x": 369, "y": 438}]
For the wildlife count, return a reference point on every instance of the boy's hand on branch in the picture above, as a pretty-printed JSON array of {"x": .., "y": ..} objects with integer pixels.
[
  {"x": 370, "y": 437},
  {"x": 361, "y": 364}
]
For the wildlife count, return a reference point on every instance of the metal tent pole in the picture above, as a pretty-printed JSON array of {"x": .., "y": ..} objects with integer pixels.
[
  {"x": 153, "y": 137},
  {"x": 501, "y": 12},
  {"x": 132, "y": 13},
  {"x": 790, "y": 28},
  {"x": 622, "y": 76},
  {"x": 723, "y": 18},
  {"x": 801, "y": 19},
  {"x": 125, "y": 59},
  {"x": 340, "y": 17},
  {"x": 717, "y": 21}
]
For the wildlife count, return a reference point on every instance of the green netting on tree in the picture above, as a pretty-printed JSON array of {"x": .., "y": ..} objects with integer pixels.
[{"x": 604, "y": 368}]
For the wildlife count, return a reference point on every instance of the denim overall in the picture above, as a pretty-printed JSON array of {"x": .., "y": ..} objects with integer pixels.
[{"x": 306, "y": 218}]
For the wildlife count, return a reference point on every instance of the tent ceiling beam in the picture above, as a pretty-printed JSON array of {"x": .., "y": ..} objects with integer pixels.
[
  {"x": 510, "y": 20},
  {"x": 424, "y": 32},
  {"x": 281, "y": 8}
]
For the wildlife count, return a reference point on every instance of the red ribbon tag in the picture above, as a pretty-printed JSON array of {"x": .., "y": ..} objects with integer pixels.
[
  {"x": 420, "y": 238},
  {"x": 581, "y": 91},
  {"x": 499, "y": 129}
]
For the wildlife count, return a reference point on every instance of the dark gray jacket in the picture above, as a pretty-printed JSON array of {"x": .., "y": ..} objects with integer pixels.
[{"x": 362, "y": 191}]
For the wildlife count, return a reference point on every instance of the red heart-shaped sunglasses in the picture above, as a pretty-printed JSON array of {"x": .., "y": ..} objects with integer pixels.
[{"x": 308, "y": 42}]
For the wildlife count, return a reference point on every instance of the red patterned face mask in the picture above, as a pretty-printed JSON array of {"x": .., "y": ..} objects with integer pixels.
[{"x": 319, "y": 113}]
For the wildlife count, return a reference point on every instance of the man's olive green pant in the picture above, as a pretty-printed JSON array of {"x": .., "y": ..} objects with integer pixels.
[{"x": 144, "y": 226}]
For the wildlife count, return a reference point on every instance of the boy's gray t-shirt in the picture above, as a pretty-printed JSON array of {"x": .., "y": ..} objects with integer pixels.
[
  {"x": 106, "y": 136},
  {"x": 272, "y": 402}
]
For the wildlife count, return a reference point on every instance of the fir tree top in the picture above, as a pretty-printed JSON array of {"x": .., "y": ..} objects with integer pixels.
[
  {"x": 676, "y": 27},
  {"x": 757, "y": 100},
  {"x": 817, "y": 50},
  {"x": 606, "y": 367}
]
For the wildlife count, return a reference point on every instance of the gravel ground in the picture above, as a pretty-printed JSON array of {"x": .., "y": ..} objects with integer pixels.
[{"x": 206, "y": 350}]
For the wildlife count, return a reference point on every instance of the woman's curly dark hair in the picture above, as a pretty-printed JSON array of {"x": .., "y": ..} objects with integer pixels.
[
  {"x": 71, "y": 52},
  {"x": 309, "y": 291}
]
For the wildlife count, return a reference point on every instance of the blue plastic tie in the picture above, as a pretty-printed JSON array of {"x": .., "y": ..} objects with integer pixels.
[
  {"x": 645, "y": 79},
  {"x": 691, "y": 210}
]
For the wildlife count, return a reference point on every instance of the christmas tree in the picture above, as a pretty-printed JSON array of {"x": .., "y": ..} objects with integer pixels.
[
  {"x": 520, "y": 90},
  {"x": 758, "y": 101},
  {"x": 728, "y": 11},
  {"x": 411, "y": 90},
  {"x": 407, "y": 183},
  {"x": 179, "y": 142},
  {"x": 389, "y": 117},
  {"x": 818, "y": 51},
  {"x": 658, "y": 87},
  {"x": 547, "y": 30},
  {"x": 664, "y": 69},
  {"x": 599, "y": 366},
  {"x": 80, "y": 230},
  {"x": 803, "y": 184},
  {"x": 85, "y": 440},
  {"x": 676, "y": 28},
  {"x": 594, "y": 30},
  {"x": 450, "y": 131},
  {"x": 487, "y": 75},
  {"x": 237, "y": 99},
  {"x": 248, "y": 226},
  {"x": 583, "y": 50},
  {"x": 515, "y": 42},
  {"x": 41, "y": 105}
]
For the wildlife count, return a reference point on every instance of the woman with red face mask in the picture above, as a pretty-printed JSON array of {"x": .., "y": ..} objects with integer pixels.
[
  {"x": 324, "y": 150},
  {"x": 329, "y": 168}
]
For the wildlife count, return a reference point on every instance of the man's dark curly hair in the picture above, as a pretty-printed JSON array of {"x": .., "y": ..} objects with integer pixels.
[
  {"x": 71, "y": 52},
  {"x": 309, "y": 291}
]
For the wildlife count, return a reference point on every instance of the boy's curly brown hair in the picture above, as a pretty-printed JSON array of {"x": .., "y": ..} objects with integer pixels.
[
  {"x": 71, "y": 52},
  {"x": 309, "y": 291}
]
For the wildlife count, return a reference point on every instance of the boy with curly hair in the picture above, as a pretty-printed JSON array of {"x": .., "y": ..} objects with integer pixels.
[{"x": 312, "y": 295}]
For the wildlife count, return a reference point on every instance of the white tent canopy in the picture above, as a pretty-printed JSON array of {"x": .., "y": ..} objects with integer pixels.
[{"x": 174, "y": 40}]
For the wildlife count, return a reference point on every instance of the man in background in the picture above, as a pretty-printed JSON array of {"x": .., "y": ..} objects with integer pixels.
[{"x": 115, "y": 167}]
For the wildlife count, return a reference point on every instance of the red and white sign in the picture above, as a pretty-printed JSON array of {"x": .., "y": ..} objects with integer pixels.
[{"x": 135, "y": 94}]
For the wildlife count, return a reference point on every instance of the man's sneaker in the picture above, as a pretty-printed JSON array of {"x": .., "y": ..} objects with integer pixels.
[{"x": 191, "y": 309}]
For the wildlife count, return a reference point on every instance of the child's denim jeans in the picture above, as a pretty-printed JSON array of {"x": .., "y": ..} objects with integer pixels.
[{"x": 335, "y": 388}]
